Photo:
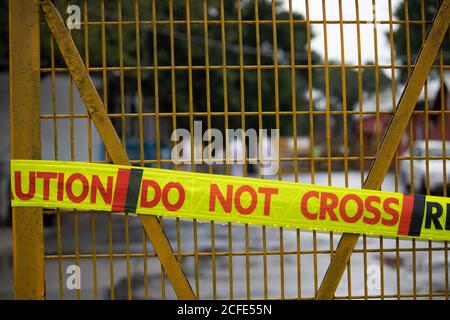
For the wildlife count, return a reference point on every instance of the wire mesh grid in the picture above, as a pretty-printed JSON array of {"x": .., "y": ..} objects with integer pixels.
[{"x": 312, "y": 70}]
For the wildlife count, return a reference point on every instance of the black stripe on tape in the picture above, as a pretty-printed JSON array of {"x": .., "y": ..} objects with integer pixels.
[
  {"x": 417, "y": 215},
  {"x": 134, "y": 185}
]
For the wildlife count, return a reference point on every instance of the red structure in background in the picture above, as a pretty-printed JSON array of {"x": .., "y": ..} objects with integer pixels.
[{"x": 436, "y": 123}]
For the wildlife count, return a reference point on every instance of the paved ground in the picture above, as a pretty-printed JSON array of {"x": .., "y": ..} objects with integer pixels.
[{"x": 246, "y": 270}]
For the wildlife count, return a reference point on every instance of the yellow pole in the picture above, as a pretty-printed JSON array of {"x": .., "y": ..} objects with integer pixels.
[
  {"x": 27, "y": 225},
  {"x": 390, "y": 142}
]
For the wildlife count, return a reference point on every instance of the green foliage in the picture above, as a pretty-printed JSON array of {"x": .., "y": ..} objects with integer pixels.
[
  {"x": 241, "y": 49},
  {"x": 415, "y": 10},
  {"x": 137, "y": 41}
]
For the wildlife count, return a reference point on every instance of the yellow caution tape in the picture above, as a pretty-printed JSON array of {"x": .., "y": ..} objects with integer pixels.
[{"x": 102, "y": 187}]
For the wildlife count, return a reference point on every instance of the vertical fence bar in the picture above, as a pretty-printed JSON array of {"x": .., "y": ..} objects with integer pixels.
[
  {"x": 55, "y": 154},
  {"x": 27, "y": 224}
]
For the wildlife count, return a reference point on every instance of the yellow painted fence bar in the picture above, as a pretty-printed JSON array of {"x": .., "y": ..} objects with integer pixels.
[
  {"x": 28, "y": 239},
  {"x": 391, "y": 141}
]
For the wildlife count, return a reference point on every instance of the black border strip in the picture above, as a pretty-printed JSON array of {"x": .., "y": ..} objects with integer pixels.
[
  {"x": 134, "y": 185},
  {"x": 417, "y": 215}
]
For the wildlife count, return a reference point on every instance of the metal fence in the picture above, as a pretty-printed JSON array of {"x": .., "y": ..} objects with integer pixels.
[{"x": 300, "y": 67}]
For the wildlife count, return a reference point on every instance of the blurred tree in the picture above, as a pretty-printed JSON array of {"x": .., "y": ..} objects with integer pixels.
[
  {"x": 240, "y": 40},
  {"x": 415, "y": 10}
]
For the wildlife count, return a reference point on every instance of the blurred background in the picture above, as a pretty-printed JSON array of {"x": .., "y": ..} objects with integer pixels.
[{"x": 326, "y": 74}]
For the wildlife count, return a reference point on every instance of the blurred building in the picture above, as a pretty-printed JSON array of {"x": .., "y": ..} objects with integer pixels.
[{"x": 374, "y": 125}]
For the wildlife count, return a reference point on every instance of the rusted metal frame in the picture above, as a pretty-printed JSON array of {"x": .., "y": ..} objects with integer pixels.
[
  {"x": 27, "y": 223},
  {"x": 112, "y": 143},
  {"x": 390, "y": 141}
]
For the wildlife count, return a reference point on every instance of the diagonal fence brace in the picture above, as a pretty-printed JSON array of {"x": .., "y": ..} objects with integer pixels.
[
  {"x": 390, "y": 142},
  {"x": 112, "y": 143}
]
